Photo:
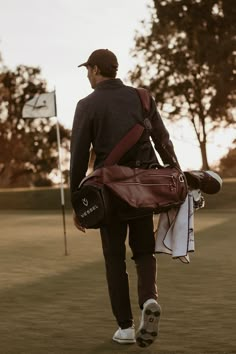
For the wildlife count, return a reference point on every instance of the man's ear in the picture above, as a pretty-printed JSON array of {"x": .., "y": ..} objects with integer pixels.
[{"x": 96, "y": 70}]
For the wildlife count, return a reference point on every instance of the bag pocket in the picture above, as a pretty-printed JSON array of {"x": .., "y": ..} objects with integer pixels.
[{"x": 91, "y": 206}]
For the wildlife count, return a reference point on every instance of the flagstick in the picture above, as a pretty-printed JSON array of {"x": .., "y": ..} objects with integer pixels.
[
  {"x": 61, "y": 182},
  {"x": 62, "y": 189}
]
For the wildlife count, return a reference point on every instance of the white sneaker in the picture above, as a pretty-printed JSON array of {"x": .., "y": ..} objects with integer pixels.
[
  {"x": 124, "y": 336},
  {"x": 148, "y": 329}
]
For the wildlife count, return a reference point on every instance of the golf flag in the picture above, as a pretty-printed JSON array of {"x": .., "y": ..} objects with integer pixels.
[
  {"x": 40, "y": 106},
  {"x": 44, "y": 106}
]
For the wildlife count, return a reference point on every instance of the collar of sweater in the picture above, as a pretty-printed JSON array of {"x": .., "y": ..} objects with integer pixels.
[{"x": 109, "y": 83}]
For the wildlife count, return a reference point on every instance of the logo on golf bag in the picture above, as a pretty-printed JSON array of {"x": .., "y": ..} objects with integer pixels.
[
  {"x": 89, "y": 211},
  {"x": 85, "y": 201}
]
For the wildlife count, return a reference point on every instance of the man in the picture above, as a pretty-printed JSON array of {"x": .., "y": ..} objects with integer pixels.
[{"x": 101, "y": 120}]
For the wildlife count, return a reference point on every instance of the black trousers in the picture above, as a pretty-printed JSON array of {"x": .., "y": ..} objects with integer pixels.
[{"x": 142, "y": 244}]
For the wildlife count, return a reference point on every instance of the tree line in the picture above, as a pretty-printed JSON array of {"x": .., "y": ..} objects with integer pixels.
[{"x": 28, "y": 147}]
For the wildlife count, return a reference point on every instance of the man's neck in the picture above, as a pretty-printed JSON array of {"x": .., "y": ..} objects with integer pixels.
[{"x": 101, "y": 79}]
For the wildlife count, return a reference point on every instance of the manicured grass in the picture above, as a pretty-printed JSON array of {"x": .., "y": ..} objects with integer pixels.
[{"x": 56, "y": 304}]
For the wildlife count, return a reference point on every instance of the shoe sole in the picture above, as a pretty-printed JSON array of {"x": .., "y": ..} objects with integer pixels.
[
  {"x": 148, "y": 330},
  {"x": 124, "y": 341}
]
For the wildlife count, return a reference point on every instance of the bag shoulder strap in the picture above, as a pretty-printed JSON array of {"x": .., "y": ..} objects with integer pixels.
[
  {"x": 145, "y": 99},
  {"x": 133, "y": 135}
]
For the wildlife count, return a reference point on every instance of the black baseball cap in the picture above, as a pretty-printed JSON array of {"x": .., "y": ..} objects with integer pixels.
[{"x": 105, "y": 60}]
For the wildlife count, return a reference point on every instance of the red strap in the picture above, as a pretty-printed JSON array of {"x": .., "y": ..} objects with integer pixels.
[
  {"x": 145, "y": 98},
  {"x": 131, "y": 138},
  {"x": 124, "y": 145}
]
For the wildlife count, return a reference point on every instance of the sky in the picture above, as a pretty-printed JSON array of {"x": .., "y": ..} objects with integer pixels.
[{"x": 58, "y": 35}]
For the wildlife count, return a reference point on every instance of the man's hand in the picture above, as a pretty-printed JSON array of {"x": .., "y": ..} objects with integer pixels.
[{"x": 77, "y": 224}]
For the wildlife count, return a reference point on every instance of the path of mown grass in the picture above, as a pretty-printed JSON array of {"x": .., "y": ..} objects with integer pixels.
[{"x": 55, "y": 304}]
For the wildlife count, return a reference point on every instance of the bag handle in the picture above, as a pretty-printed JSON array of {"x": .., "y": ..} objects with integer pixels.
[{"x": 133, "y": 135}]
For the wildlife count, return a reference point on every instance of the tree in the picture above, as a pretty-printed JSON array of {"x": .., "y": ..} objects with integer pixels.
[
  {"x": 187, "y": 59},
  {"x": 227, "y": 165},
  {"x": 28, "y": 146}
]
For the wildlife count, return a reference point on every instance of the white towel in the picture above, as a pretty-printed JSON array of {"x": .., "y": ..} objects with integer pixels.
[{"x": 175, "y": 231}]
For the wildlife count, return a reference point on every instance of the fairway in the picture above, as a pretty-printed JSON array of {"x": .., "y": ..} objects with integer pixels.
[{"x": 57, "y": 304}]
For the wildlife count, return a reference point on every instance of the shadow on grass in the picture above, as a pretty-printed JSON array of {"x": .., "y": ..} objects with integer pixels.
[{"x": 70, "y": 312}]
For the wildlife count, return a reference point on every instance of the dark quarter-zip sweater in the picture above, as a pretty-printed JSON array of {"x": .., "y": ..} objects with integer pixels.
[{"x": 103, "y": 118}]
